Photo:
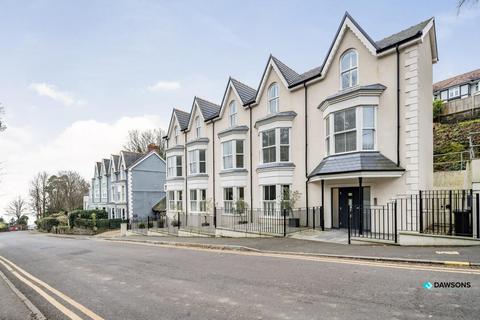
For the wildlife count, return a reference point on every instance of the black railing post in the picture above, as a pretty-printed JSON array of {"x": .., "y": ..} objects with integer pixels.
[
  {"x": 322, "y": 218},
  {"x": 215, "y": 217},
  {"x": 348, "y": 223},
  {"x": 313, "y": 217},
  {"x": 420, "y": 213},
  {"x": 285, "y": 222},
  {"x": 450, "y": 206},
  {"x": 148, "y": 222},
  {"x": 395, "y": 221},
  {"x": 478, "y": 215}
]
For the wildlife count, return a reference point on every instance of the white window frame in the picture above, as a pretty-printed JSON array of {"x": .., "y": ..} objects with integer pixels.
[
  {"x": 277, "y": 144},
  {"x": 194, "y": 161},
  {"x": 198, "y": 127},
  {"x": 198, "y": 200},
  {"x": 464, "y": 90},
  {"x": 176, "y": 132},
  {"x": 273, "y": 208},
  {"x": 359, "y": 127},
  {"x": 349, "y": 70},
  {"x": 232, "y": 113},
  {"x": 273, "y": 94},
  {"x": 454, "y": 92},
  {"x": 173, "y": 167},
  {"x": 229, "y": 205},
  {"x": 233, "y": 155},
  {"x": 444, "y": 95}
]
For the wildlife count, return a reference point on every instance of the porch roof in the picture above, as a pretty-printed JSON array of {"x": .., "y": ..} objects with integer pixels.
[{"x": 356, "y": 162}]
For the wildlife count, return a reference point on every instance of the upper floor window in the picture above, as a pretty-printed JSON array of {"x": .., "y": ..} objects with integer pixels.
[
  {"x": 198, "y": 127},
  {"x": 453, "y": 92},
  {"x": 233, "y": 154},
  {"x": 177, "y": 133},
  {"x": 444, "y": 95},
  {"x": 464, "y": 90},
  {"x": 349, "y": 69},
  {"x": 197, "y": 161},
  {"x": 273, "y": 99},
  {"x": 276, "y": 145},
  {"x": 351, "y": 129},
  {"x": 174, "y": 166},
  {"x": 232, "y": 113}
]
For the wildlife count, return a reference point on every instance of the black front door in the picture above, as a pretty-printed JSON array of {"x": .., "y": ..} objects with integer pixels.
[{"x": 349, "y": 198}]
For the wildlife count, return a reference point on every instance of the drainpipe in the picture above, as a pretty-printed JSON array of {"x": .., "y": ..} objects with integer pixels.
[
  {"x": 251, "y": 165},
  {"x": 306, "y": 148},
  {"x": 398, "y": 105},
  {"x": 186, "y": 179},
  {"x": 213, "y": 162}
]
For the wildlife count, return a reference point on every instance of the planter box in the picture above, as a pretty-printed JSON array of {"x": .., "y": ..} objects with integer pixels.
[
  {"x": 242, "y": 222},
  {"x": 294, "y": 222}
]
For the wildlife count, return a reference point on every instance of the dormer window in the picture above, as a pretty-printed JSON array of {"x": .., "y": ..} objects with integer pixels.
[
  {"x": 198, "y": 127},
  {"x": 349, "y": 69},
  {"x": 177, "y": 133},
  {"x": 232, "y": 113},
  {"x": 273, "y": 98}
]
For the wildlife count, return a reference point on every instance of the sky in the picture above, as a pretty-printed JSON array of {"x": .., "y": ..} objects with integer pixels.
[{"x": 75, "y": 76}]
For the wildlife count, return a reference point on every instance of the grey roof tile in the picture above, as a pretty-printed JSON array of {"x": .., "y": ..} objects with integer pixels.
[
  {"x": 209, "y": 109},
  {"x": 116, "y": 162},
  {"x": 106, "y": 163},
  {"x": 131, "y": 157},
  {"x": 246, "y": 93},
  {"x": 354, "y": 162},
  {"x": 410, "y": 32},
  {"x": 182, "y": 117},
  {"x": 288, "y": 73}
]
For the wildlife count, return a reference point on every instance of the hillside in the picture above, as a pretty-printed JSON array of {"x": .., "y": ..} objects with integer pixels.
[{"x": 453, "y": 137}]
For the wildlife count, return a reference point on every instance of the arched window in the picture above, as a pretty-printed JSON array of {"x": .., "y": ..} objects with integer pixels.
[
  {"x": 349, "y": 69},
  {"x": 232, "y": 113},
  {"x": 177, "y": 133},
  {"x": 273, "y": 98},
  {"x": 198, "y": 127}
]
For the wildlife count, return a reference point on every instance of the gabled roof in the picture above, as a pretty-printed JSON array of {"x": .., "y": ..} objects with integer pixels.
[
  {"x": 98, "y": 168},
  {"x": 115, "y": 162},
  {"x": 354, "y": 162},
  {"x": 182, "y": 118},
  {"x": 457, "y": 80},
  {"x": 411, "y": 33},
  {"x": 106, "y": 165},
  {"x": 289, "y": 74},
  {"x": 246, "y": 93},
  {"x": 129, "y": 157},
  {"x": 209, "y": 109}
]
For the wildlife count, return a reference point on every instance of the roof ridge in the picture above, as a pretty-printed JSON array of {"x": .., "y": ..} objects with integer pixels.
[
  {"x": 243, "y": 83},
  {"x": 197, "y": 97}
]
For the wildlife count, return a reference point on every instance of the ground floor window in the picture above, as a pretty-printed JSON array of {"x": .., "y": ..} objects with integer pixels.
[
  {"x": 233, "y": 198},
  {"x": 198, "y": 199},
  {"x": 275, "y": 197},
  {"x": 175, "y": 200}
]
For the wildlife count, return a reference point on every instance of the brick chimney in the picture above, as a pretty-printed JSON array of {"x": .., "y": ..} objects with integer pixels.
[{"x": 152, "y": 146}]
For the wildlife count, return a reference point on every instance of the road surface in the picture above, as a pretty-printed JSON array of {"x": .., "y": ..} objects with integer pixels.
[{"x": 98, "y": 279}]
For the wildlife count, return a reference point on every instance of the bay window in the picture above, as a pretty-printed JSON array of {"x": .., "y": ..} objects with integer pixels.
[
  {"x": 175, "y": 200},
  {"x": 198, "y": 200},
  {"x": 276, "y": 145},
  {"x": 174, "y": 166},
  {"x": 275, "y": 196},
  {"x": 196, "y": 161},
  {"x": 193, "y": 200},
  {"x": 231, "y": 195},
  {"x": 352, "y": 129},
  {"x": 349, "y": 69},
  {"x": 233, "y": 154}
]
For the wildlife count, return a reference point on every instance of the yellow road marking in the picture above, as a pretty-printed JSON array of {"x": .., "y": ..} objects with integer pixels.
[
  {"x": 77, "y": 305},
  {"x": 319, "y": 259},
  {"x": 45, "y": 295}
]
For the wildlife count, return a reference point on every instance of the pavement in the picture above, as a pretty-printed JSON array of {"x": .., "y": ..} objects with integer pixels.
[
  {"x": 11, "y": 305},
  {"x": 126, "y": 280},
  {"x": 433, "y": 255}
]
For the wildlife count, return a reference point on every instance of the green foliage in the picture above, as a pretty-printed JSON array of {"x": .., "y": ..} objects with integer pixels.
[
  {"x": 86, "y": 214},
  {"x": 3, "y": 226},
  {"x": 437, "y": 108},
  {"x": 94, "y": 221},
  {"x": 84, "y": 223},
  {"x": 47, "y": 223}
]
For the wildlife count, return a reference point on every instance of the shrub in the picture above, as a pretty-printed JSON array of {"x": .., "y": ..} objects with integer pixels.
[
  {"x": 47, "y": 223},
  {"x": 437, "y": 108},
  {"x": 115, "y": 223},
  {"x": 84, "y": 223},
  {"x": 103, "y": 224},
  {"x": 141, "y": 225}
]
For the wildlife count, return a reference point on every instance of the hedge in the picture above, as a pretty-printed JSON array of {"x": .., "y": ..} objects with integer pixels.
[
  {"x": 47, "y": 223},
  {"x": 86, "y": 214},
  {"x": 83, "y": 223}
]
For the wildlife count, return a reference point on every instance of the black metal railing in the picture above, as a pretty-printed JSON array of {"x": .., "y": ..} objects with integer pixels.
[
  {"x": 437, "y": 212},
  {"x": 277, "y": 222}
]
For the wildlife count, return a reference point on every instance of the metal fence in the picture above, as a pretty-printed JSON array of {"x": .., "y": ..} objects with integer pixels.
[
  {"x": 270, "y": 222},
  {"x": 437, "y": 212}
]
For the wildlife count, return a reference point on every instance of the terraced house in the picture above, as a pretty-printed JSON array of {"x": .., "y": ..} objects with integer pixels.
[
  {"x": 355, "y": 131},
  {"x": 128, "y": 184}
]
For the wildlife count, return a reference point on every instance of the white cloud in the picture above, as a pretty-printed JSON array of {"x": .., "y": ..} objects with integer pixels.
[
  {"x": 52, "y": 92},
  {"x": 76, "y": 148},
  {"x": 164, "y": 86}
]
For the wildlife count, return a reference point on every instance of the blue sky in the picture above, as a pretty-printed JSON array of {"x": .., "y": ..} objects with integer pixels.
[{"x": 70, "y": 69}]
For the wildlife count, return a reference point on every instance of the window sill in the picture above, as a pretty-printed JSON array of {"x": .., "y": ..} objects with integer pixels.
[
  {"x": 275, "y": 165},
  {"x": 233, "y": 171},
  {"x": 198, "y": 175}
]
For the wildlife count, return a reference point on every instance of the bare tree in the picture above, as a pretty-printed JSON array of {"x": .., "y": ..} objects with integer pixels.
[
  {"x": 463, "y": 3},
  {"x": 138, "y": 141},
  {"x": 17, "y": 208},
  {"x": 39, "y": 193}
]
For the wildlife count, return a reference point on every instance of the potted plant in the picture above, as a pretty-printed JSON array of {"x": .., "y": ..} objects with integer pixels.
[
  {"x": 241, "y": 208},
  {"x": 289, "y": 198}
]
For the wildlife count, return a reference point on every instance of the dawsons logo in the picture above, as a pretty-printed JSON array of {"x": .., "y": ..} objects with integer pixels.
[{"x": 453, "y": 285}]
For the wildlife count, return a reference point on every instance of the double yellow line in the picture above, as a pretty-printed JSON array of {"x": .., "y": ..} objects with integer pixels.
[{"x": 45, "y": 291}]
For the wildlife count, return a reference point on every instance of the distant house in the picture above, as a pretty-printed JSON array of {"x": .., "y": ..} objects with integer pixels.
[
  {"x": 458, "y": 87},
  {"x": 127, "y": 185}
]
